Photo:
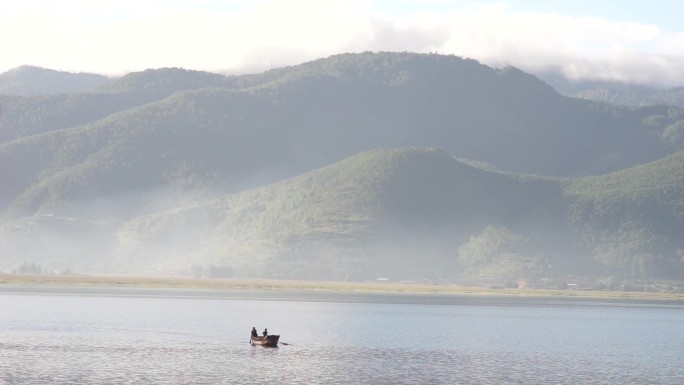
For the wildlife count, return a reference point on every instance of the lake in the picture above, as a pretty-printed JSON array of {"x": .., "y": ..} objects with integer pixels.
[{"x": 72, "y": 335}]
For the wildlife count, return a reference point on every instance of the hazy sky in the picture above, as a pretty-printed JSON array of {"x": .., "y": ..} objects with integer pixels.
[{"x": 615, "y": 39}]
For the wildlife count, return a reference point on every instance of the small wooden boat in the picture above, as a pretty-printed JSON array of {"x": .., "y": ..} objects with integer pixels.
[{"x": 269, "y": 340}]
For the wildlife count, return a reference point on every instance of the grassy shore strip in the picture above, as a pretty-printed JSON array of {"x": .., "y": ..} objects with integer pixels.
[{"x": 265, "y": 284}]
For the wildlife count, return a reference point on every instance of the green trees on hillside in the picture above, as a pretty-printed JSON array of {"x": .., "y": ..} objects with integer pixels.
[
  {"x": 633, "y": 220},
  {"x": 500, "y": 255},
  {"x": 674, "y": 134},
  {"x": 633, "y": 251}
]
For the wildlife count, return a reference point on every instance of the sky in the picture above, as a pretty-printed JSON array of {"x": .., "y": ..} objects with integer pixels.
[{"x": 621, "y": 40}]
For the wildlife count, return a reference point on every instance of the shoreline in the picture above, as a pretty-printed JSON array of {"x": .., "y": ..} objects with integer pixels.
[{"x": 189, "y": 283}]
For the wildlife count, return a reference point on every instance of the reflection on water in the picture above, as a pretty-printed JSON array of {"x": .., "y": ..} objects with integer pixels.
[{"x": 186, "y": 338}]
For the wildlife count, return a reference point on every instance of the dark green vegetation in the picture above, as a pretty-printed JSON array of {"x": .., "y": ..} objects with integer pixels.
[{"x": 342, "y": 168}]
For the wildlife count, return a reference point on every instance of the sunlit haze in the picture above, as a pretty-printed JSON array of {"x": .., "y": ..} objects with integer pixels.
[{"x": 620, "y": 40}]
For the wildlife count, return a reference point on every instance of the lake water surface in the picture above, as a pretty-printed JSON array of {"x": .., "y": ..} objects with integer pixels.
[{"x": 63, "y": 335}]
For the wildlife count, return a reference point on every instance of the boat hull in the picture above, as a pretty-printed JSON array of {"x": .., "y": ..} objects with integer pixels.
[{"x": 270, "y": 341}]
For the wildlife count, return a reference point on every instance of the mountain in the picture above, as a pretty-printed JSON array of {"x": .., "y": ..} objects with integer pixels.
[
  {"x": 32, "y": 115},
  {"x": 288, "y": 121},
  {"x": 409, "y": 213},
  {"x": 30, "y": 80},
  {"x": 405, "y": 213},
  {"x": 163, "y": 82},
  {"x": 116, "y": 159},
  {"x": 399, "y": 212},
  {"x": 634, "y": 219},
  {"x": 617, "y": 93},
  {"x": 633, "y": 96}
]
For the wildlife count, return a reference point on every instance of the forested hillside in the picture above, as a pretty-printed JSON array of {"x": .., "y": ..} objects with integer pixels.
[
  {"x": 401, "y": 212},
  {"x": 173, "y": 168},
  {"x": 411, "y": 213},
  {"x": 634, "y": 219}
]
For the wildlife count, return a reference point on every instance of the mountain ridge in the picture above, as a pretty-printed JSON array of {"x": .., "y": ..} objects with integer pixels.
[
  {"x": 160, "y": 140},
  {"x": 32, "y": 80}
]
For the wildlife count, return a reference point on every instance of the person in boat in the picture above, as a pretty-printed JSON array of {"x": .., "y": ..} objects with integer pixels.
[
  {"x": 265, "y": 333},
  {"x": 254, "y": 332}
]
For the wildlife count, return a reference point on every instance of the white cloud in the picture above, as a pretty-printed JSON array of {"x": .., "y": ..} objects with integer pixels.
[
  {"x": 581, "y": 47},
  {"x": 238, "y": 36}
]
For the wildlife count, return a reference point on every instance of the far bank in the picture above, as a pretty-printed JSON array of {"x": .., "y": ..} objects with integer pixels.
[{"x": 168, "y": 282}]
